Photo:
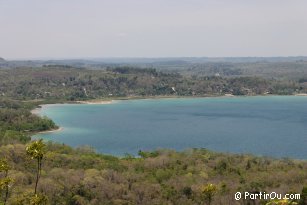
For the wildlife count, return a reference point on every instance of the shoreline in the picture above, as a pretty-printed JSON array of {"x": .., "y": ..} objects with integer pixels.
[
  {"x": 114, "y": 100},
  {"x": 37, "y": 110},
  {"x": 102, "y": 102},
  {"x": 95, "y": 102},
  {"x": 301, "y": 94},
  {"x": 50, "y": 131}
]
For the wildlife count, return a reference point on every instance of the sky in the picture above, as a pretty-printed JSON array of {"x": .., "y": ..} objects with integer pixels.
[{"x": 57, "y": 29}]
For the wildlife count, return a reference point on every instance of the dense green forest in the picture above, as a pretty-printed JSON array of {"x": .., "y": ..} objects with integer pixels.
[
  {"x": 17, "y": 123},
  {"x": 38, "y": 173}
]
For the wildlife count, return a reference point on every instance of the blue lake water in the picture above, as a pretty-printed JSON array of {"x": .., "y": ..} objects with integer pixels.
[{"x": 272, "y": 126}]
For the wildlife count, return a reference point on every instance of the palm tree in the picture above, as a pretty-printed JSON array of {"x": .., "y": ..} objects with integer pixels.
[{"x": 36, "y": 150}]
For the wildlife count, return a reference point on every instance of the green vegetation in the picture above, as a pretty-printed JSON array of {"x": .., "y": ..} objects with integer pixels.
[
  {"x": 36, "y": 151},
  {"x": 35, "y": 173},
  {"x": 198, "y": 176},
  {"x": 5, "y": 181},
  {"x": 17, "y": 123},
  {"x": 70, "y": 84}
]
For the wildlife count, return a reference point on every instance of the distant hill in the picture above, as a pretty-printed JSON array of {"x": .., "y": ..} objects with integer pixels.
[{"x": 2, "y": 59}]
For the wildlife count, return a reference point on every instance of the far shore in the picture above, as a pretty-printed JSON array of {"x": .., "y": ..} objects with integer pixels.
[
  {"x": 301, "y": 94},
  {"x": 95, "y": 102},
  {"x": 50, "y": 131},
  {"x": 107, "y": 101}
]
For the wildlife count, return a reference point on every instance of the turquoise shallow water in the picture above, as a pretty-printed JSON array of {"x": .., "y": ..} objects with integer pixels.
[{"x": 273, "y": 126}]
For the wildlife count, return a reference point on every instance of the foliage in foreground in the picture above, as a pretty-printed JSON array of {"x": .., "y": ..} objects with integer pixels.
[{"x": 81, "y": 176}]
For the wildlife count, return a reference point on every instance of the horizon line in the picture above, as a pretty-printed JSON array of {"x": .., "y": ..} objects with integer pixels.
[{"x": 154, "y": 57}]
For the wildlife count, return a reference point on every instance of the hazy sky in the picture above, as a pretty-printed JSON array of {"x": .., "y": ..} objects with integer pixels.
[{"x": 152, "y": 28}]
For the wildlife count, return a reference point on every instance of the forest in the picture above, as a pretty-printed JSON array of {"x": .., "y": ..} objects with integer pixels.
[
  {"x": 38, "y": 172},
  {"x": 197, "y": 176},
  {"x": 71, "y": 84}
]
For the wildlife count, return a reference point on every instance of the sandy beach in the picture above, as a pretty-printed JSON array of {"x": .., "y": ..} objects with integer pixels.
[
  {"x": 229, "y": 95},
  {"x": 36, "y": 111},
  {"x": 301, "y": 94},
  {"x": 49, "y": 131},
  {"x": 96, "y": 102}
]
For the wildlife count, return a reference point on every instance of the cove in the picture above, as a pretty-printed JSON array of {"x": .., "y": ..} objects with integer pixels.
[{"x": 273, "y": 126}]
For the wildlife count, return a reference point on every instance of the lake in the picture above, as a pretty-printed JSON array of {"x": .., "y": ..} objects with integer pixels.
[{"x": 270, "y": 125}]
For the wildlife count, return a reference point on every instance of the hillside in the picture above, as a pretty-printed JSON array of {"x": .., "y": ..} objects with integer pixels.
[
  {"x": 81, "y": 176},
  {"x": 68, "y": 83}
]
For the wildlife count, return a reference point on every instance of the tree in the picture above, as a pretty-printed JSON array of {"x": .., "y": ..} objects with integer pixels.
[
  {"x": 5, "y": 181},
  {"x": 207, "y": 192},
  {"x": 36, "y": 150},
  {"x": 30, "y": 199}
]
